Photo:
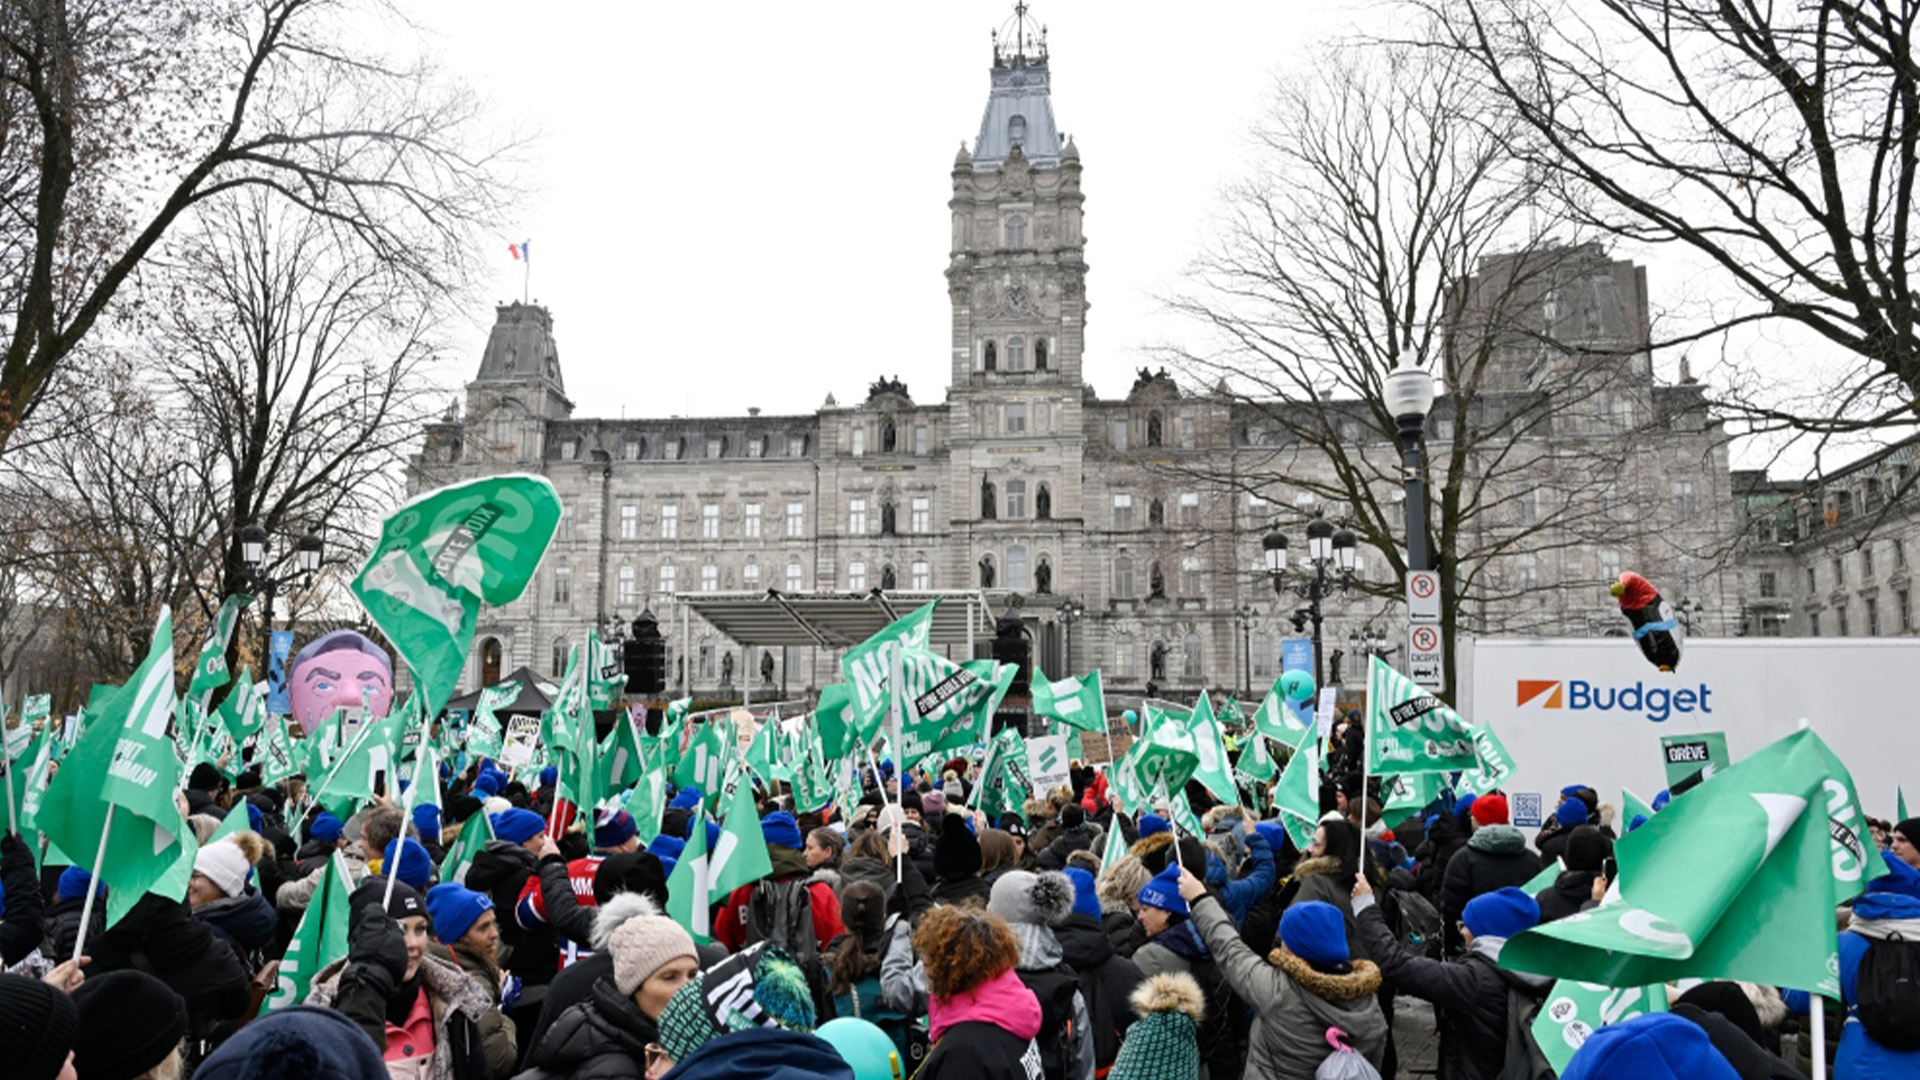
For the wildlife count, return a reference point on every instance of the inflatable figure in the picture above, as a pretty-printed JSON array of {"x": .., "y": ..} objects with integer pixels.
[
  {"x": 1654, "y": 626},
  {"x": 335, "y": 670}
]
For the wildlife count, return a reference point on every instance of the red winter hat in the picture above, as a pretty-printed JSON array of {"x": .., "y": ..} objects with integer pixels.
[{"x": 1490, "y": 810}]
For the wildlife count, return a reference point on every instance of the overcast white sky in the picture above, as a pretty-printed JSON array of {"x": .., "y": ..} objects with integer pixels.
[{"x": 745, "y": 205}]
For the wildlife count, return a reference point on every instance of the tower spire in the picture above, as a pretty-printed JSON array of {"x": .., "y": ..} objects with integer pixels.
[{"x": 1020, "y": 41}]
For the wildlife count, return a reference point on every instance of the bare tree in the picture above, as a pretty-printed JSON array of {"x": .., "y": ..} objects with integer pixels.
[
  {"x": 123, "y": 115},
  {"x": 1385, "y": 217},
  {"x": 1777, "y": 141}
]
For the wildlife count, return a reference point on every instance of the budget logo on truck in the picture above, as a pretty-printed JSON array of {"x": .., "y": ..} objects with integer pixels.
[{"x": 1655, "y": 703}]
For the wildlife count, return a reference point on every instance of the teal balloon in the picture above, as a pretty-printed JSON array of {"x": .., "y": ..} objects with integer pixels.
[
  {"x": 864, "y": 1046},
  {"x": 1130, "y": 717},
  {"x": 1296, "y": 686}
]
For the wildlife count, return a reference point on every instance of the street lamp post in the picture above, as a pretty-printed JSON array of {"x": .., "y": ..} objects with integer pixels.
[
  {"x": 1247, "y": 614},
  {"x": 1071, "y": 611},
  {"x": 255, "y": 543},
  {"x": 1686, "y": 611},
  {"x": 1328, "y": 548},
  {"x": 1409, "y": 393}
]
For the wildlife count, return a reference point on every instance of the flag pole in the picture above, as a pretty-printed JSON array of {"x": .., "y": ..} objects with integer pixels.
[
  {"x": 1817, "y": 1021},
  {"x": 1366, "y": 764},
  {"x": 93, "y": 885},
  {"x": 12, "y": 825},
  {"x": 392, "y": 869},
  {"x": 897, "y": 680}
]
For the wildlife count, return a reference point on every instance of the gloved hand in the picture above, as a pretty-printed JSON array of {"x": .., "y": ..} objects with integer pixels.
[
  {"x": 509, "y": 993},
  {"x": 376, "y": 945}
]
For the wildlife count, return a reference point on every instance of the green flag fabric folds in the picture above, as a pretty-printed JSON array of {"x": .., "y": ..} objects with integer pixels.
[
  {"x": 1411, "y": 731},
  {"x": 1080, "y": 703},
  {"x": 1739, "y": 880},
  {"x": 321, "y": 937},
  {"x": 210, "y": 670},
  {"x": 441, "y": 556}
]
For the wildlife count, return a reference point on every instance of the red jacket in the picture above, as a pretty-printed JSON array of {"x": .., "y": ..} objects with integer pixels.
[
  {"x": 731, "y": 928},
  {"x": 1092, "y": 799}
]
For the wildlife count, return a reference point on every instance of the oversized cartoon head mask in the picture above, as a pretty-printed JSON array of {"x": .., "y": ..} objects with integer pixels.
[{"x": 336, "y": 670}]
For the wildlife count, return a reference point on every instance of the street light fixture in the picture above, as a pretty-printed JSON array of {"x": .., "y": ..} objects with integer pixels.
[
  {"x": 309, "y": 552},
  {"x": 1247, "y": 613},
  {"x": 1409, "y": 393},
  {"x": 1071, "y": 611},
  {"x": 1328, "y": 549}
]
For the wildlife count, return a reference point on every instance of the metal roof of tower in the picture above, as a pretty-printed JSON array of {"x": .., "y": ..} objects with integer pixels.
[{"x": 1020, "y": 105}]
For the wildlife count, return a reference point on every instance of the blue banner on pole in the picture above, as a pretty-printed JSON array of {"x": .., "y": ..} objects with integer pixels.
[
  {"x": 1296, "y": 654},
  {"x": 278, "y": 700}
]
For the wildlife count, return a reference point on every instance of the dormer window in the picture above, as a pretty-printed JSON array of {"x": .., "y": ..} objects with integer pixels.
[
  {"x": 716, "y": 447},
  {"x": 569, "y": 449},
  {"x": 1017, "y": 129}
]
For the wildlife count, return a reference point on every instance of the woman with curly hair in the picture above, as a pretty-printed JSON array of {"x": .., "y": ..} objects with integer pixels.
[{"x": 982, "y": 1018}]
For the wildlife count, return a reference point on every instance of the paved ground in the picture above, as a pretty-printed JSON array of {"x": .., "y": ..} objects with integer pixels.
[{"x": 1415, "y": 1038}]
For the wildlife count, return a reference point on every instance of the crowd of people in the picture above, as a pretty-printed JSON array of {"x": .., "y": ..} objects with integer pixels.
[{"x": 909, "y": 935}]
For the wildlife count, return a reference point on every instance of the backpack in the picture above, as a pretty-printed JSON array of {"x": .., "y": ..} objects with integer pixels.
[
  {"x": 1886, "y": 993},
  {"x": 781, "y": 912},
  {"x": 1422, "y": 928},
  {"x": 1524, "y": 1059},
  {"x": 909, "y": 1039},
  {"x": 1345, "y": 1063},
  {"x": 1055, "y": 987}
]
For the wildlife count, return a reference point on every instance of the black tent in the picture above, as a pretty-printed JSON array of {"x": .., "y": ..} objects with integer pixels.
[{"x": 535, "y": 697}]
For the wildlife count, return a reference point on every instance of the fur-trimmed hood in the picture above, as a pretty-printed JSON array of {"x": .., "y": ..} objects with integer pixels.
[
  {"x": 448, "y": 987},
  {"x": 1170, "y": 992},
  {"x": 1146, "y": 846},
  {"x": 1325, "y": 864},
  {"x": 1362, "y": 981}
]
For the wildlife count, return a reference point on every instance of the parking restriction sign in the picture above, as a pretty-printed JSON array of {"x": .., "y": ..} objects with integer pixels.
[
  {"x": 1426, "y": 656},
  {"x": 1423, "y": 596}
]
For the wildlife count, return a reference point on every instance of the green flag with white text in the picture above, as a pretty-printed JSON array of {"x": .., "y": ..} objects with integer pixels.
[
  {"x": 119, "y": 781},
  {"x": 740, "y": 856},
  {"x": 1296, "y": 798},
  {"x": 210, "y": 671},
  {"x": 1409, "y": 791},
  {"x": 1274, "y": 720},
  {"x": 1256, "y": 762},
  {"x": 1074, "y": 701},
  {"x": 1496, "y": 766},
  {"x": 866, "y": 668},
  {"x": 320, "y": 939},
  {"x": 244, "y": 711},
  {"x": 1739, "y": 880},
  {"x": 440, "y": 557},
  {"x": 1409, "y": 730},
  {"x": 1211, "y": 767}
]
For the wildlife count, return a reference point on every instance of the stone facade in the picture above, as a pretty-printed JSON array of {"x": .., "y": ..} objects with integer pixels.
[{"x": 1147, "y": 510}]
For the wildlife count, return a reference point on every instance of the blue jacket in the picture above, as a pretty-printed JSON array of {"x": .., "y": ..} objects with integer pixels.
[
  {"x": 1238, "y": 896},
  {"x": 764, "y": 1054},
  {"x": 1858, "y": 1056}
]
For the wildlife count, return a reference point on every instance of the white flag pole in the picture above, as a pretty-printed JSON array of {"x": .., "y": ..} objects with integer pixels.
[
  {"x": 392, "y": 868},
  {"x": 897, "y": 687},
  {"x": 93, "y": 886}
]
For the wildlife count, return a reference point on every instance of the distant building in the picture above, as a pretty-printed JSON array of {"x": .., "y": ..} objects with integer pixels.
[{"x": 1146, "y": 511}]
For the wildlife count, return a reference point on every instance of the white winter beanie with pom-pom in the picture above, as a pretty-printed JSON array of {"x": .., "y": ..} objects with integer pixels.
[{"x": 227, "y": 862}]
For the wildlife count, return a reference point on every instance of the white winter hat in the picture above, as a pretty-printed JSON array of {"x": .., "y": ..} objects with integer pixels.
[{"x": 225, "y": 865}]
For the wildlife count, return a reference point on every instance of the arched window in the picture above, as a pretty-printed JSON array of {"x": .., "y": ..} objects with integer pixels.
[
  {"x": 1040, "y": 354},
  {"x": 1195, "y": 657},
  {"x": 1016, "y": 354},
  {"x": 1016, "y": 129},
  {"x": 1017, "y": 567},
  {"x": 1016, "y": 231},
  {"x": 1043, "y": 502},
  {"x": 1153, "y": 429},
  {"x": 1122, "y": 577},
  {"x": 489, "y": 661},
  {"x": 992, "y": 357}
]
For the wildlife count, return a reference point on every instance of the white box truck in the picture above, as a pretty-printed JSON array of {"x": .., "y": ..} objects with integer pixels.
[{"x": 1593, "y": 710}]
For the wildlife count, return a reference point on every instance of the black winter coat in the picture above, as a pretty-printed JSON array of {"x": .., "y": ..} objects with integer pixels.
[
  {"x": 24, "y": 925},
  {"x": 976, "y": 1050},
  {"x": 1078, "y": 838},
  {"x": 501, "y": 870},
  {"x": 1495, "y": 857},
  {"x": 161, "y": 937},
  {"x": 602, "y": 1038},
  {"x": 1472, "y": 994},
  {"x": 1443, "y": 842},
  {"x": 575, "y": 985},
  {"x": 1107, "y": 981},
  {"x": 63, "y": 926},
  {"x": 961, "y": 891},
  {"x": 1569, "y": 891},
  {"x": 247, "y": 922},
  {"x": 1123, "y": 931}
]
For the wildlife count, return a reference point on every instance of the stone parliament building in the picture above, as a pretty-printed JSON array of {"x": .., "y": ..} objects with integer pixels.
[{"x": 1018, "y": 480}]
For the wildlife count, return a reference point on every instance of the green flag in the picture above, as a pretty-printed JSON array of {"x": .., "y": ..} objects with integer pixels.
[
  {"x": 245, "y": 709},
  {"x": 112, "y": 801},
  {"x": 620, "y": 760},
  {"x": 274, "y": 752},
  {"x": 26, "y": 770},
  {"x": 1739, "y": 880},
  {"x": 1080, "y": 703},
  {"x": 1297, "y": 796},
  {"x": 1632, "y": 806},
  {"x": 1005, "y": 785},
  {"x": 473, "y": 839},
  {"x": 485, "y": 730},
  {"x": 647, "y": 803},
  {"x": 740, "y": 856},
  {"x": 806, "y": 760},
  {"x": 1547, "y": 876},
  {"x": 1900, "y": 804},
  {"x": 319, "y": 940},
  {"x": 1116, "y": 847},
  {"x": 1573, "y": 1010},
  {"x": 1274, "y": 720},
  {"x": 372, "y": 753},
  {"x": 606, "y": 679},
  {"x": 1256, "y": 763},
  {"x": 867, "y": 666},
  {"x": 1496, "y": 765},
  {"x": 703, "y": 761},
  {"x": 1211, "y": 767},
  {"x": 36, "y": 708},
  {"x": 210, "y": 671},
  {"x": 1409, "y": 730},
  {"x": 1410, "y": 791},
  {"x": 443, "y": 554},
  {"x": 1170, "y": 758},
  {"x": 690, "y": 886}
]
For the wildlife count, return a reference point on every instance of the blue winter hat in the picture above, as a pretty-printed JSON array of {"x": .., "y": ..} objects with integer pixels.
[
  {"x": 326, "y": 828},
  {"x": 415, "y": 866},
  {"x": 517, "y": 826},
  {"x": 666, "y": 847},
  {"x": 1502, "y": 913},
  {"x": 74, "y": 882},
  {"x": 1163, "y": 891},
  {"x": 326, "y": 1042},
  {"x": 1316, "y": 932},
  {"x": 487, "y": 784},
  {"x": 1086, "y": 899},
  {"x": 1572, "y": 813},
  {"x": 780, "y": 828},
  {"x": 686, "y": 798},
  {"x": 548, "y": 775},
  {"x": 1463, "y": 805},
  {"x": 254, "y": 817},
  {"x": 1274, "y": 834},
  {"x": 1152, "y": 824},
  {"x": 1661, "y": 800},
  {"x": 1638, "y": 820},
  {"x": 1573, "y": 790},
  {"x": 1657, "y": 1046},
  {"x": 613, "y": 829},
  {"x": 454, "y": 909},
  {"x": 426, "y": 818}
]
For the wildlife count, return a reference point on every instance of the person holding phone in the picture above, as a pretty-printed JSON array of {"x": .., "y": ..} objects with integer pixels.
[{"x": 1585, "y": 854}]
